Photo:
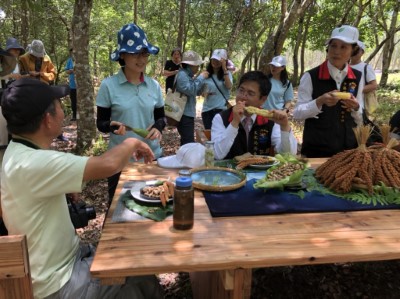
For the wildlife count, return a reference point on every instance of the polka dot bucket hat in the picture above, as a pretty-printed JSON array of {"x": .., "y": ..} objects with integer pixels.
[{"x": 132, "y": 39}]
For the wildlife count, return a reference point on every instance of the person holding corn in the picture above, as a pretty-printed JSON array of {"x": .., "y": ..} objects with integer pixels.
[
  {"x": 329, "y": 98},
  {"x": 130, "y": 104}
]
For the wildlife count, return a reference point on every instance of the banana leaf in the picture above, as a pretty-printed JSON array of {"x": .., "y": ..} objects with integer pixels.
[
  {"x": 294, "y": 179},
  {"x": 154, "y": 212}
]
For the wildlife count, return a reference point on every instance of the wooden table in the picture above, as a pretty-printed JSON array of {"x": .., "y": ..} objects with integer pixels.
[{"x": 220, "y": 252}]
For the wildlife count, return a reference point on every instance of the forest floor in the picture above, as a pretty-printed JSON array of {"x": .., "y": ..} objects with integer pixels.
[{"x": 367, "y": 280}]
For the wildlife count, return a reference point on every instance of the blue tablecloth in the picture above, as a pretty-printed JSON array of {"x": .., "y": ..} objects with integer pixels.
[{"x": 248, "y": 201}]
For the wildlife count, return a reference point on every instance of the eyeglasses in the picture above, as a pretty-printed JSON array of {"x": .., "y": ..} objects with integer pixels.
[{"x": 246, "y": 93}]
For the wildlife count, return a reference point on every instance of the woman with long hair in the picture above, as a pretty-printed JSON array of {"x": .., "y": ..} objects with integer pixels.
[
  {"x": 281, "y": 94},
  {"x": 216, "y": 88}
]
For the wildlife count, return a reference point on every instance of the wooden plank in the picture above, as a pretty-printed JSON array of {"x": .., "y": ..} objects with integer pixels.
[
  {"x": 113, "y": 280},
  {"x": 15, "y": 279},
  {"x": 261, "y": 241},
  {"x": 242, "y": 284},
  {"x": 13, "y": 257},
  {"x": 227, "y": 278}
]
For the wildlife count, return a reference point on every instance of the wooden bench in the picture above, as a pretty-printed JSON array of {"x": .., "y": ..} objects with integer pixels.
[{"x": 15, "y": 276}]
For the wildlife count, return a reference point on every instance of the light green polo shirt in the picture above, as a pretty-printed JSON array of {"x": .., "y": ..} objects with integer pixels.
[{"x": 33, "y": 187}]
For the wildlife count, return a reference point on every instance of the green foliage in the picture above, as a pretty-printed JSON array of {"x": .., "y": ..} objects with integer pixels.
[
  {"x": 382, "y": 195},
  {"x": 98, "y": 147}
]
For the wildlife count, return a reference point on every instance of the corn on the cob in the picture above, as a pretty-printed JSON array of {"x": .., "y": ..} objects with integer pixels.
[
  {"x": 258, "y": 111},
  {"x": 342, "y": 95}
]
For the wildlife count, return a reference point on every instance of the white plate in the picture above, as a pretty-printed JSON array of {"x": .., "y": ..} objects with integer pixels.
[{"x": 136, "y": 195}]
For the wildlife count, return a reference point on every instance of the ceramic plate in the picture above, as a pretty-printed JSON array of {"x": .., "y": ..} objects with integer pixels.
[{"x": 138, "y": 196}]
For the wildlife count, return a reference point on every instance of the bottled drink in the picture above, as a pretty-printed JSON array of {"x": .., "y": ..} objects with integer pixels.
[
  {"x": 209, "y": 154},
  {"x": 183, "y": 203},
  {"x": 185, "y": 173}
]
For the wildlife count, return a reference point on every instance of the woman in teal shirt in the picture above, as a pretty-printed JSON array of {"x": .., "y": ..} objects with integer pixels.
[{"x": 130, "y": 97}]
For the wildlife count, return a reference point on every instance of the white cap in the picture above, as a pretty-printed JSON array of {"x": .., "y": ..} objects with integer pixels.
[
  {"x": 361, "y": 45},
  {"x": 345, "y": 33},
  {"x": 189, "y": 155},
  {"x": 278, "y": 61},
  {"x": 219, "y": 54},
  {"x": 191, "y": 58}
]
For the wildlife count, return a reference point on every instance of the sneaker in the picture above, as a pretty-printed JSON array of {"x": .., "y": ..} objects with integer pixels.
[{"x": 62, "y": 138}]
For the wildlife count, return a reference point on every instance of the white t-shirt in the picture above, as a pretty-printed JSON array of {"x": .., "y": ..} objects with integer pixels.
[
  {"x": 370, "y": 75},
  {"x": 33, "y": 187}
]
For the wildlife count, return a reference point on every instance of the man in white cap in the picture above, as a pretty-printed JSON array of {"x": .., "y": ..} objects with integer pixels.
[{"x": 368, "y": 73}]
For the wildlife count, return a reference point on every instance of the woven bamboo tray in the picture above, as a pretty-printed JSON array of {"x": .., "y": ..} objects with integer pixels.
[{"x": 217, "y": 179}]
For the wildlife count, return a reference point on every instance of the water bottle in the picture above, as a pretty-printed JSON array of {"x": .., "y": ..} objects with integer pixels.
[
  {"x": 209, "y": 154},
  {"x": 183, "y": 204}
]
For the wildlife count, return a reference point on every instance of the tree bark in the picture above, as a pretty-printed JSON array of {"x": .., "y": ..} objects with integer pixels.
[
  {"x": 181, "y": 28},
  {"x": 389, "y": 46},
  {"x": 84, "y": 84},
  {"x": 274, "y": 44}
]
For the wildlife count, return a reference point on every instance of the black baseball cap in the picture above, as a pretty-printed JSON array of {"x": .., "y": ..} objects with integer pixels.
[{"x": 25, "y": 99}]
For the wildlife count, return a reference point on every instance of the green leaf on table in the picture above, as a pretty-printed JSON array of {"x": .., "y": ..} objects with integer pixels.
[{"x": 154, "y": 212}]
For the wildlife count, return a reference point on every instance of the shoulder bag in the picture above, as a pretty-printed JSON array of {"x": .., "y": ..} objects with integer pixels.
[
  {"x": 175, "y": 103},
  {"x": 370, "y": 98},
  {"x": 227, "y": 104}
]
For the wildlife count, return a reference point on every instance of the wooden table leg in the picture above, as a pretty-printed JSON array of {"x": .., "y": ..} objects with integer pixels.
[{"x": 229, "y": 284}]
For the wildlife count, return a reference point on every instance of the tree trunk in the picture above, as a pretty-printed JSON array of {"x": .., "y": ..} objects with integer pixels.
[
  {"x": 295, "y": 76},
  {"x": 181, "y": 28},
  {"x": 85, "y": 94},
  {"x": 24, "y": 22},
  {"x": 135, "y": 11},
  {"x": 237, "y": 27},
  {"x": 389, "y": 46},
  {"x": 274, "y": 44}
]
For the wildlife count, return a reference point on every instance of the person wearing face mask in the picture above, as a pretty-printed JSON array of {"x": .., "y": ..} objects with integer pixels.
[
  {"x": 130, "y": 97},
  {"x": 236, "y": 132},
  {"x": 329, "y": 121},
  {"x": 216, "y": 87},
  {"x": 190, "y": 85}
]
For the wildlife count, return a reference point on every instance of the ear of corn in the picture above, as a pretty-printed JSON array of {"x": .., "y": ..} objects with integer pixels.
[
  {"x": 342, "y": 95},
  {"x": 258, "y": 111},
  {"x": 141, "y": 132}
]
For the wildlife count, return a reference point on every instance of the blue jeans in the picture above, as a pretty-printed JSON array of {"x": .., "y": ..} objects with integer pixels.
[
  {"x": 186, "y": 129},
  {"x": 83, "y": 286}
]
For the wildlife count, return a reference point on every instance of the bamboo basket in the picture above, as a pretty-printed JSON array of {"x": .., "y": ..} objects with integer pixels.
[{"x": 215, "y": 177}]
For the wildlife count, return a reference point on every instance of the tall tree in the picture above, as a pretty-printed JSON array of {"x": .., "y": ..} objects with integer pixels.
[
  {"x": 181, "y": 27},
  {"x": 390, "y": 43},
  {"x": 274, "y": 43},
  {"x": 80, "y": 37}
]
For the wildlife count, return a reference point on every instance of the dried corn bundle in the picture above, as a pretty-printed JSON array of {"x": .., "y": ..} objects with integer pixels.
[
  {"x": 349, "y": 168},
  {"x": 386, "y": 160}
]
